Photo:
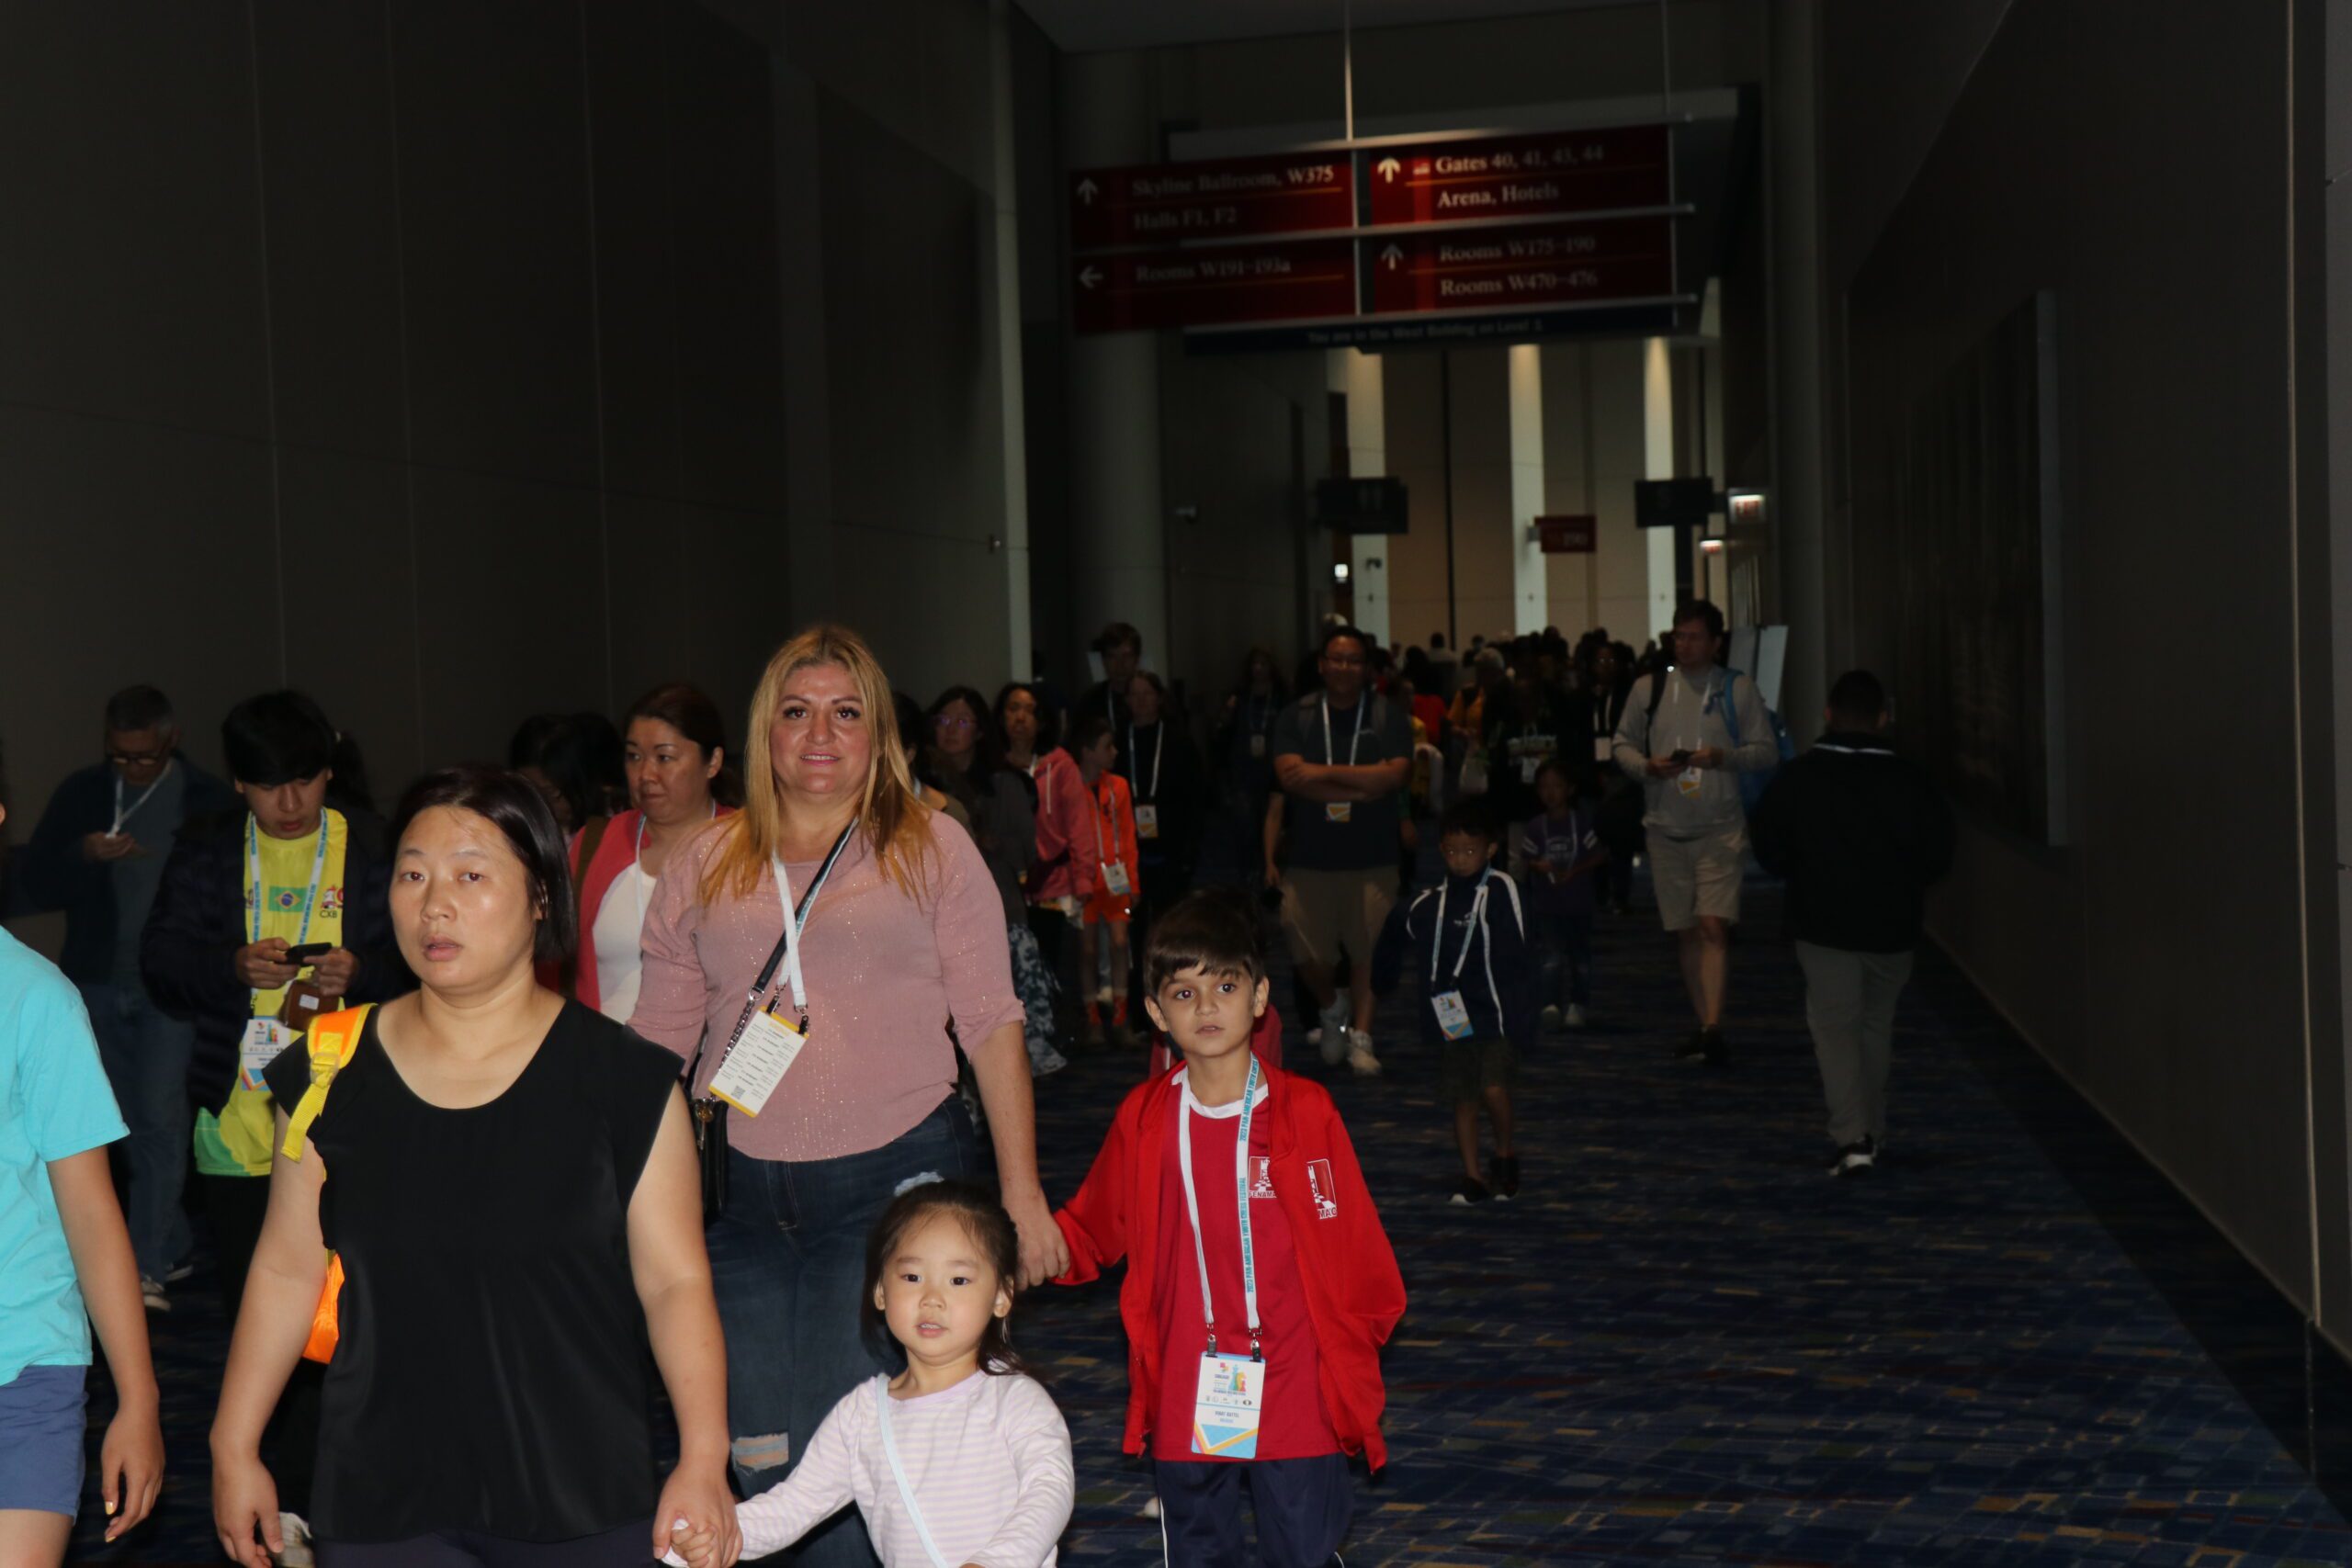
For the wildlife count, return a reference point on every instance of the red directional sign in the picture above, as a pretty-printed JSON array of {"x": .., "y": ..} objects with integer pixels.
[
  {"x": 1630, "y": 258},
  {"x": 1519, "y": 176},
  {"x": 1156, "y": 203},
  {"x": 1569, "y": 533},
  {"x": 1216, "y": 285}
]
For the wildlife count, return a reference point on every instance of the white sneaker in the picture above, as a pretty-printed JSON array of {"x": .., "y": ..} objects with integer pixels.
[
  {"x": 1360, "y": 1056},
  {"x": 1576, "y": 1016},
  {"x": 294, "y": 1532},
  {"x": 150, "y": 1291},
  {"x": 1550, "y": 1021},
  {"x": 1151, "y": 1507}
]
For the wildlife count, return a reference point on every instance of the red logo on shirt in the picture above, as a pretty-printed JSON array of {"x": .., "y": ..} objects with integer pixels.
[
  {"x": 1319, "y": 1186},
  {"x": 1261, "y": 1176}
]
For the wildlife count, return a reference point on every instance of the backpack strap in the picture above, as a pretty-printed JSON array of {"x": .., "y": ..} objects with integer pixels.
[
  {"x": 1731, "y": 708},
  {"x": 333, "y": 1040}
]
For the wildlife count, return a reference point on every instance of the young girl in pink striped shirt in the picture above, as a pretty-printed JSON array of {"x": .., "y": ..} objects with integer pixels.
[{"x": 961, "y": 1459}]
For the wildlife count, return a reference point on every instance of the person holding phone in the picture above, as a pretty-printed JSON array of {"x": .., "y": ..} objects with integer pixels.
[{"x": 266, "y": 916}]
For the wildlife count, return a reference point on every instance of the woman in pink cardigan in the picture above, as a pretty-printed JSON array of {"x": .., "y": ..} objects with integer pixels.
[
  {"x": 900, "y": 939},
  {"x": 674, "y": 749},
  {"x": 1069, "y": 861}
]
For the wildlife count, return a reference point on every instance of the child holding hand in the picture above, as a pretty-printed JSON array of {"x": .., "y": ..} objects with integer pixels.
[{"x": 961, "y": 1459}]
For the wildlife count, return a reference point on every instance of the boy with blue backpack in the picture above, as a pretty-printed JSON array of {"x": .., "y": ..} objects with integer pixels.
[{"x": 1689, "y": 734}]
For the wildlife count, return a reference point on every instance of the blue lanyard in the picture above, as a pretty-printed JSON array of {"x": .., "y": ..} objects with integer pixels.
[
  {"x": 309, "y": 899},
  {"x": 1241, "y": 1198}
]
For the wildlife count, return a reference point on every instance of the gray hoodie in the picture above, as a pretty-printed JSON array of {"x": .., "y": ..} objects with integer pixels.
[{"x": 1690, "y": 716}]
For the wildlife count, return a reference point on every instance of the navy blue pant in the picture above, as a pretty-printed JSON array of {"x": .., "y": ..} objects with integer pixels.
[{"x": 1302, "y": 1506}]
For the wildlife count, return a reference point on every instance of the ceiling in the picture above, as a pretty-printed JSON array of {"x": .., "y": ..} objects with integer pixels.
[{"x": 1081, "y": 26}]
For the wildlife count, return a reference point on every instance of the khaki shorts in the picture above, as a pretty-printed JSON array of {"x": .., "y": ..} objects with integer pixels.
[
  {"x": 1467, "y": 1068},
  {"x": 1327, "y": 912},
  {"x": 1697, "y": 876}
]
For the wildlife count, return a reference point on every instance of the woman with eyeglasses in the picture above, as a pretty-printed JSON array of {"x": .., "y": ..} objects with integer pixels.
[{"x": 1001, "y": 803}]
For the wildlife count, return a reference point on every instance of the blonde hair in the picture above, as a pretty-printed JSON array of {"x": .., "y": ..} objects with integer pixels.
[{"x": 896, "y": 823}]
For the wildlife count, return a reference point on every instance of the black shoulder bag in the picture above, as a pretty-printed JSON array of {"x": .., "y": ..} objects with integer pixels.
[{"x": 710, "y": 1111}]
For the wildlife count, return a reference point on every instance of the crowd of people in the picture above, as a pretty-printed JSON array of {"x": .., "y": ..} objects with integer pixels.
[{"x": 652, "y": 1055}]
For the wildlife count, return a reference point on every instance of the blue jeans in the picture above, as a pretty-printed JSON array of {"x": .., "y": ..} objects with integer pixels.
[
  {"x": 146, "y": 1057},
  {"x": 1564, "y": 956},
  {"x": 787, "y": 1257}
]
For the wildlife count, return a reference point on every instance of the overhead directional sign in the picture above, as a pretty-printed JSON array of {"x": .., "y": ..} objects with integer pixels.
[
  {"x": 1519, "y": 176},
  {"x": 1281, "y": 280},
  {"x": 1627, "y": 258},
  {"x": 1229, "y": 197}
]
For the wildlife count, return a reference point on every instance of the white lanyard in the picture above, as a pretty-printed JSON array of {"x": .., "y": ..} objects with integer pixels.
[
  {"x": 1478, "y": 907},
  {"x": 1159, "y": 739},
  {"x": 1699, "y": 726},
  {"x": 123, "y": 813},
  {"x": 1352, "y": 740},
  {"x": 1241, "y": 1197},
  {"x": 309, "y": 899},
  {"x": 792, "y": 921},
  {"x": 899, "y": 1471}
]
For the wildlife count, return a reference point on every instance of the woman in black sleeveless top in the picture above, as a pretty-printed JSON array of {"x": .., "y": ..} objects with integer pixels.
[{"x": 509, "y": 1180}]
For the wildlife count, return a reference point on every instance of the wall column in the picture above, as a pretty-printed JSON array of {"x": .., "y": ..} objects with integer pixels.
[
  {"x": 1118, "y": 523},
  {"x": 1012, "y": 552},
  {"x": 1801, "y": 495},
  {"x": 1357, "y": 375},
  {"x": 1657, "y": 463},
  {"x": 1530, "y": 590}
]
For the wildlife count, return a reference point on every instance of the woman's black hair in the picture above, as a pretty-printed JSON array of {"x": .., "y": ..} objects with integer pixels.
[
  {"x": 987, "y": 749},
  {"x": 991, "y": 1229},
  {"x": 914, "y": 738},
  {"x": 518, "y": 810},
  {"x": 1048, "y": 727},
  {"x": 580, "y": 754},
  {"x": 693, "y": 714},
  {"x": 276, "y": 738}
]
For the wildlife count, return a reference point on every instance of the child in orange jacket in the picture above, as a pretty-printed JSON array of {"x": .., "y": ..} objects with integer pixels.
[
  {"x": 1111, "y": 906},
  {"x": 1259, "y": 1284}
]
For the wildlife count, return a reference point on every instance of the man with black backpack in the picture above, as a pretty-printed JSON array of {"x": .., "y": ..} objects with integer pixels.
[{"x": 1688, "y": 732}]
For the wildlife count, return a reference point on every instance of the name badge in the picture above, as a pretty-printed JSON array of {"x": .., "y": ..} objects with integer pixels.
[
  {"x": 1453, "y": 1016},
  {"x": 264, "y": 1039},
  {"x": 1338, "y": 810},
  {"x": 1603, "y": 748},
  {"x": 1115, "y": 879},
  {"x": 1147, "y": 821},
  {"x": 1227, "y": 1411},
  {"x": 757, "y": 1063},
  {"x": 1690, "y": 783},
  {"x": 1527, "y": 768},
  {"x": 1256, "y": 746}
]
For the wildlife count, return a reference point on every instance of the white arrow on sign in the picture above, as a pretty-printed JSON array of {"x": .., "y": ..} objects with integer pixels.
[
  {"x": 1090, "y": 278},
  {"x": 1086, "y": 189},
  {"x": 1392, "y": 255},
  {"x": 1388, "y": 168}
]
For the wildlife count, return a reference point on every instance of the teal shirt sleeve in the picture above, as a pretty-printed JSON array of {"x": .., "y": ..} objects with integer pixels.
[{"x": 62, "y": 1095}]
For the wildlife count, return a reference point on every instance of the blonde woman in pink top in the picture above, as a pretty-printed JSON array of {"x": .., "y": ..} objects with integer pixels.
[{"x": 899, "y": 937}]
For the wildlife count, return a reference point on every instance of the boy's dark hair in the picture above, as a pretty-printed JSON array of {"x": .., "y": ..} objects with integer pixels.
[
  {"x": 276, "y": 738},
  {"x": 990, "y": 1228},
  {"x": 1857, "y": 701},
  {"x": 1700, "y": 610},
  {"x": 139, "y": 707},
  {"x": 1087, "y": 732},
  {"x": 518, "y": 810},
  {"x": 1467, "y": 816},
  {"x": 1332, "y": 634},
  {"x": 1214, "y": 929},
  {"x": 1558, "y": 764},
  {"x": 1118, "y": 633}
]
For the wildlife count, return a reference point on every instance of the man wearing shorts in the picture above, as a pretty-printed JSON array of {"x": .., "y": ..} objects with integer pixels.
[
  {"x": 1342, "y": 757},
  {"x": 1676, "y": 739}
]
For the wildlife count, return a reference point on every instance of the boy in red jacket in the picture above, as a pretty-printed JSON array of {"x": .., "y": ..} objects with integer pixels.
[{"x": 1260, "y": 1284}]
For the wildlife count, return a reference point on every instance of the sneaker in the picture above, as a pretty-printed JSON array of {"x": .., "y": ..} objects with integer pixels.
[
  {"x": 1552, "y": 1020},
  {"x": 1468, "y": 1191},
  {"x": 1711, "y": 1046},
  {"x": 1151, "y": 1507},
  {"x": 1360, "y": 1056},
  {"x": 1693, "y": 1044},
  {"x": 1576, "y": 1017},
  {"x": 294, "y": 1533},
  {"x": 1048, "y": 1064},
  {"x": 1331, "y": 1037},
  {"x": 1855, "y": 1159},
  {"x": 150, "y": 1291},
  {"x": 177, "y": 1272},
  {"x": 1504, "y": 1176}
]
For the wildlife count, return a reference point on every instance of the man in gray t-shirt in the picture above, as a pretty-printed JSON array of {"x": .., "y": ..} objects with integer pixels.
[
  {"x": 1687, "y": 743},
  {"x": 1342, "y": 757}
]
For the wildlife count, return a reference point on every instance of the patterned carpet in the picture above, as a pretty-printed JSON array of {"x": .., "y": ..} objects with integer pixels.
[{"x": 1686, "y": 1344}]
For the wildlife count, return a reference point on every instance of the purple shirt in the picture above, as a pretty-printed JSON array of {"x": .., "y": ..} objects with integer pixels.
[{"x": 1563, "y": 842}]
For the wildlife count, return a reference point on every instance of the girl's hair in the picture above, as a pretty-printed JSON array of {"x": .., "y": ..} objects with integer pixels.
[
  {"x": 896, "y": 824},
  {"x": 580, "y": 755},
  {"x": 1559, "y": 764},
  {"x": 987, "y": 749},
  {"x": 686, "y": 709},
  {"x": 991, "y": 1233}
]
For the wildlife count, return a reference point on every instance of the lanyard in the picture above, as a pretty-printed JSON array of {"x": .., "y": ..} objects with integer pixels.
[
  {"x": 1241, "y": 1197},
  {"x": 794, "y": 919},
  {"x": 1159, "y": 739},
  {"x": 1478, "y": 907},
  {"x": 123, "y": 813},
  {"x": 899, "y": 1471},
  {"x": 1352, "y": 740},
  {"x": 309, "y": 899}
]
